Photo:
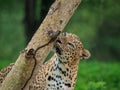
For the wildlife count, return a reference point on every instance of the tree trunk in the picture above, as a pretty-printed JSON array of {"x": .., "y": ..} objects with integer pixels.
[
  {"x": 29, "y": 20},
  {"x": 29, "y": 62}
]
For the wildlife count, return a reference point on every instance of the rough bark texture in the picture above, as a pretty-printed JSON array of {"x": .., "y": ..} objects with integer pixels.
[
  {"x": 20, "y": 72},
  {"x": 56, "y": 19}
]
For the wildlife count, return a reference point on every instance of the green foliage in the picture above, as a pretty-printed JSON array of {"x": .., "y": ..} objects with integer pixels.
[
  {"x": 96, "y": 85},
  {"x": 98, "y": 76},
  {"x": 12, "y": 38}
]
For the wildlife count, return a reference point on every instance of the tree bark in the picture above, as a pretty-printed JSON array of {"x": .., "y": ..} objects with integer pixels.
[{"x": 28, "y": 63}]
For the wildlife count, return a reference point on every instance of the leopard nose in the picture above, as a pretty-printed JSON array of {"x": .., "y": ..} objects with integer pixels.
[{"x": 58, "y": 40}]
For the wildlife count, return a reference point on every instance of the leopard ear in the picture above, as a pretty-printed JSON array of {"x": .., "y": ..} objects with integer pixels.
[{"x": 85, "y": 54}]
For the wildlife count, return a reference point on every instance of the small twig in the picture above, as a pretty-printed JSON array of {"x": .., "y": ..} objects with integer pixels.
[
  {"x": 53, "y": 35},
  {"x": 29, "y": 54}
]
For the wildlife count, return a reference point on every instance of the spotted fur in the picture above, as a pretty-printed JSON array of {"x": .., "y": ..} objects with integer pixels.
[
  {"x": 60, "y": 72},
  {"x": 4, "y": 72}
]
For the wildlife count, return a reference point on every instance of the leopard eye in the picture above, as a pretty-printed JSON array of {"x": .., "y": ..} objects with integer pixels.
[
  {"x": 71, "y": 45},
  {"x": 64, "y": 33},
  {"x": 59, "y": 41}
]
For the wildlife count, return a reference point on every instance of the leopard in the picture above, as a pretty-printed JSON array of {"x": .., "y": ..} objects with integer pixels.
[
  {"x": 4, "y": 72},
  {"x": 60, "y": 72}
]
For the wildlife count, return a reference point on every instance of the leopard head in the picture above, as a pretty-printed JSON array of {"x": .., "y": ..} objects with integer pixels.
[{"x": 68, "y": 47}]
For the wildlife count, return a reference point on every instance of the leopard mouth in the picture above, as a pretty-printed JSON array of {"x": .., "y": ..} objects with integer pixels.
[{"x": 58, "y": 50}]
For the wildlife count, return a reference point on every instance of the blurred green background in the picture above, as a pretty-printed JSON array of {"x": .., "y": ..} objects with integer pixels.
[{"x": 96, "y": 22}]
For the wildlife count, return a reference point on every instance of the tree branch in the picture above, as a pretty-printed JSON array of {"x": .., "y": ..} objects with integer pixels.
[{"x": 25, "y": 67}]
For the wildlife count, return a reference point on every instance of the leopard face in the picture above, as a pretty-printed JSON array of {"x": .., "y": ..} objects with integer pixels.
[{"x": 69, "y": 48}]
